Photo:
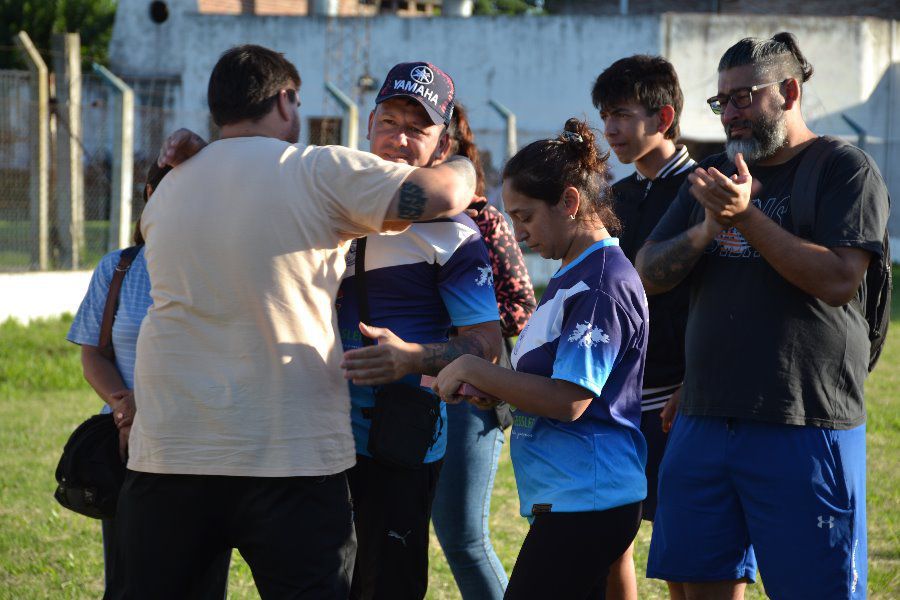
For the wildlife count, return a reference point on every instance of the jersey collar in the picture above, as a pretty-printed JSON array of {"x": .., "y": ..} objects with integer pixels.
[{"x": 610, "y": 241}]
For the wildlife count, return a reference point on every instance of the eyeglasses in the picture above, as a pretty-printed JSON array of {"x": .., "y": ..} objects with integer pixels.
[{"x": 740, "y": 98}]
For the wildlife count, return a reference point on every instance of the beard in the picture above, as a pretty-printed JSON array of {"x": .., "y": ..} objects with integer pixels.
[
  {"x": 293, "y": 134},
  {"x": 768, "y": 134}
]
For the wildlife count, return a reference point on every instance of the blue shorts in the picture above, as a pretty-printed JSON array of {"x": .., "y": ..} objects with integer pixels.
[{"x": 794, "y": 495}]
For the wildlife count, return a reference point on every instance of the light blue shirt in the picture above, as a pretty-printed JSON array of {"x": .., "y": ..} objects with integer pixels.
[{"x": 134, "y": 300}]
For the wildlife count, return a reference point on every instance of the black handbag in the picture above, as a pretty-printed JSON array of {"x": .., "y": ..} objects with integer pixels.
[
  {"x": 90, "y": 472},
  {"x": 404, "y": 425},
  {"x": 406, "y": 419}
]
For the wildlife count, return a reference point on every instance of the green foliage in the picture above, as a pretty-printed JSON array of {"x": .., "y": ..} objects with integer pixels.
[
  {"x": 93, "y": 19},
  {"x": 506, "y": 7}
]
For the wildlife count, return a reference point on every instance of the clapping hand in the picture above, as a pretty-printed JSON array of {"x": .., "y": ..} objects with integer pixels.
[{"x": 727, "y": 200}]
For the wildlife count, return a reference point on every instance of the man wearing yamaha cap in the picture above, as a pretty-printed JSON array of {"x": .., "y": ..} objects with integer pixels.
[
  {"x": 419, "y": 284},
  {"x": 241, "y": 437}
]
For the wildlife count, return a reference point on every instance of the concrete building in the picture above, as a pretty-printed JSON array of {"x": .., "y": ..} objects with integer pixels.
[
  {"x": 886, "y": 9},
  {"x": 540, "y": 67}
]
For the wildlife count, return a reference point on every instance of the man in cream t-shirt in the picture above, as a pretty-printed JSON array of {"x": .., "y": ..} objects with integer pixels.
[{"x": 242, "y": 433}]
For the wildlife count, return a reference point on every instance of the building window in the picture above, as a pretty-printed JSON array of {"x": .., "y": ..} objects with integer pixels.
[{"x": 324, "y": 131}]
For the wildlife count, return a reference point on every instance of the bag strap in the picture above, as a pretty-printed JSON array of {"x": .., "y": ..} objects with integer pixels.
[
  {"x": 112, "y": 300},
  {"x": 806, "y": 188},
  {"x": 362, "y": 292},
  {"x": 806, "y": 183}
]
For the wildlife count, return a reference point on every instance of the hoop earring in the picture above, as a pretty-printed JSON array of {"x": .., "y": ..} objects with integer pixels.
[{"x": 572, "y": 217}]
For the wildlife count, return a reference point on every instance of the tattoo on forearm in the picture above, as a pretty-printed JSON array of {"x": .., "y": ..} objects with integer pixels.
[
  {"x": 667, "y": 263},
  {"x": 412, "y": 201},
  {"x": 438, "y": 356}
]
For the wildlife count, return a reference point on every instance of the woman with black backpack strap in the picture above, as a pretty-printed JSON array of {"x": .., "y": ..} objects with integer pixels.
[{"x": 106, "y": 327}]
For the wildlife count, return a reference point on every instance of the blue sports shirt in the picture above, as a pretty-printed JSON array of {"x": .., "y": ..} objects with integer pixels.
[
  {"x": 590, "y": 328},
  {"x": 434, "y": 275}
]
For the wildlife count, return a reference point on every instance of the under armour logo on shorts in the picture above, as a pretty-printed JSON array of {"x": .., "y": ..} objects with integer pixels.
[{"x": 823, "y": 522}]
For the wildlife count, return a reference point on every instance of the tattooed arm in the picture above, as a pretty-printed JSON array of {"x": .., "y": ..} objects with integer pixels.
[
  {"x": 429, "y": 193},
  {"x": 482, "y": 340},
  {"x": 392, "y": 358},
  {"x": 663, "y": 265}
]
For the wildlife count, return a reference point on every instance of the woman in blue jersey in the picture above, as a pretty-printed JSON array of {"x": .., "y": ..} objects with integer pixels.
[
  {"x": 113, "y": 380},
  {"x": 475, "y": 437},
  {"x": 577, "y": 449}
]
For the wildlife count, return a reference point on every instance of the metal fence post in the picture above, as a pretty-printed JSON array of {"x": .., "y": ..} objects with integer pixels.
[
  {"x": 39, "y": 183},
  {"x": 510, "y": 118},
  {"x": 861, "y": 134},
  {"x": 122, "y": 161},
  {"x": 350, "y": 123},
  {"x": 69, "y": 170}
]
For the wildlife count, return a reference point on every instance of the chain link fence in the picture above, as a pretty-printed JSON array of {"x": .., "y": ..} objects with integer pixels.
[
  {"x": 154, "y": 117},
  {"x": 15, "y": 179}
]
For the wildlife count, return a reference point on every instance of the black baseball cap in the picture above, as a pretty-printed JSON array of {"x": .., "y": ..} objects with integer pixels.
[{"x": 424, "y": 83}]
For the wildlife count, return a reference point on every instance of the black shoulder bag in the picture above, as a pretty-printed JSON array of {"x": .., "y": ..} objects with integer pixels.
[
  {"x": 406, "y": 420},
  {"x": 90, "y": 472}
]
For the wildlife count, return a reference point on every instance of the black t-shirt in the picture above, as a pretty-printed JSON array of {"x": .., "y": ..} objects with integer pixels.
[{"x": 758, "y": 347}]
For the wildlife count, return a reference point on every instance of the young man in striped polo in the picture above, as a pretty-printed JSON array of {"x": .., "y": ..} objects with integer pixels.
[{"x": 640, "y": 102}]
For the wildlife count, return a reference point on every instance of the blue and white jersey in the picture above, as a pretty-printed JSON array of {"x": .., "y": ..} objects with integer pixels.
[
  {"x": 134, "y": 300},
  {"x": 590, "y": 328},
  {"x": 420, "y": 282}
]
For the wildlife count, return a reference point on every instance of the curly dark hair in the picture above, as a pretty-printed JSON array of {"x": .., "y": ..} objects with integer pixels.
[
  {"x": 650, "y": 81},
  {"x": 545, "y": 168}
]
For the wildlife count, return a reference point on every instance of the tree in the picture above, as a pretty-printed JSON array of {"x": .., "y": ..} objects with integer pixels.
[
  {"x": 508, "y": 7},
  {"x": 93, "y": 19}
]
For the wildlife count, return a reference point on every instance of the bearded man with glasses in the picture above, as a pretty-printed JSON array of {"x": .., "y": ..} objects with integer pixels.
[{"x": 766, "y": 459}]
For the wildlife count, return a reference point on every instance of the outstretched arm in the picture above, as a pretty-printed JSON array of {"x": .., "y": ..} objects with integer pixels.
[
  {"x": 433, "y": 192},
  {"x": 428, "y": 193},
  {"x": 392, "y": 358}
]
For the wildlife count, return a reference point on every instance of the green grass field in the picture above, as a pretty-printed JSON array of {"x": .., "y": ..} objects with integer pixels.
[{"x": 49, "y": 552}]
